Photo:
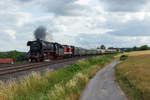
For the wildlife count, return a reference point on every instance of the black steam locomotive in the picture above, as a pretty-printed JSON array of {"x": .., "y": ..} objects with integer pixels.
[{"x": 42, "y": 50}]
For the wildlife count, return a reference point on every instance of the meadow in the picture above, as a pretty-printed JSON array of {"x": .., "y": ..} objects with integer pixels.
[
  {"x": 65, "y": 84},
  {"x": 135, "y": 53},
  {"x": 133, "y": 75}
]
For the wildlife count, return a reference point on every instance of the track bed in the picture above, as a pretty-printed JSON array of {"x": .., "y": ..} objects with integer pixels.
[{"x": 20, "y": 70}]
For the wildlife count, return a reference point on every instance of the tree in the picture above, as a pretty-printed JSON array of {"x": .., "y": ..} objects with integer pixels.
[
  {"x": 144, "y": 47},
  {"x": 102, "y": 47},
  {"x": 15, "y": 55},
  {"x": 129, "y": 50},
  {"x": 135, "y": 48},
  {"x": 118, "y": 50}
]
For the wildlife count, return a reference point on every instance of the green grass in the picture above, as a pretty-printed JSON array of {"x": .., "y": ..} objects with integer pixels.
[
  {"x": 64, "y": 84},
  {"x": 133, "y": 75}
]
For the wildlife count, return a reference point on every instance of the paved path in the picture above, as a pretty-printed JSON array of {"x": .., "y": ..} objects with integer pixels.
[{"x": 103, "y": 86}]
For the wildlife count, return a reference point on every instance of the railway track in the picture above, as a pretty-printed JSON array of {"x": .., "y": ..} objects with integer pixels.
[
  {"x": 11, "y": 65},
  {"x": 10, "y": 69}
]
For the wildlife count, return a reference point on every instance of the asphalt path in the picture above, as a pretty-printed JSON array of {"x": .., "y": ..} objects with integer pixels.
[{"x": 103, "y": 86}]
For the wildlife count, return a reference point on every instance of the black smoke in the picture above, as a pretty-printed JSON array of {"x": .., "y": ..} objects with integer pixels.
[{"x": 40, "y": 33}]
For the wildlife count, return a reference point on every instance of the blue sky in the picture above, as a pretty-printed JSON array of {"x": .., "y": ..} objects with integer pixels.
[{"x": 86, "y": 23}]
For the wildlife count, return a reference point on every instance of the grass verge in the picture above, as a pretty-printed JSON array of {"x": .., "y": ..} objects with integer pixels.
[
  {"x": 64, "y": 84},
  {"x": 133, "y": 75}
]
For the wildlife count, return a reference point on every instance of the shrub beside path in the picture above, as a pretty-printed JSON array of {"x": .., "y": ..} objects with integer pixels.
[{"x": 103, "y": 86}]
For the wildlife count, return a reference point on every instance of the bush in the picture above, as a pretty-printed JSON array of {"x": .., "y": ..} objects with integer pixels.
[
  {"x": 144, "y": 47},
  {"x": 15, "y": 55},
  {"x": 123, "y": 57}
]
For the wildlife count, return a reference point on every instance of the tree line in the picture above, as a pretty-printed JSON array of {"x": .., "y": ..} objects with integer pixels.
[
  {"x": 15, "y": 55},
  {"x": 135, "y": 48}
]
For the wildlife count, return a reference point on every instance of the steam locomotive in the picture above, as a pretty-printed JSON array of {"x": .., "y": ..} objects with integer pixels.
[{"x": 42, "y": 50}]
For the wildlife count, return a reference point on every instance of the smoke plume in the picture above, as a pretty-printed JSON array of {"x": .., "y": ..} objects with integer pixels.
[{"x": 42, "y": 34}]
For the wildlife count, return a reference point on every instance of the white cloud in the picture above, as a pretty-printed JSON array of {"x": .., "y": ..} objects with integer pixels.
[
  {"x": 58, "y": 8},
  {"x": 23, "y": 18},
  {"x": 69, "y": 20},
  {"x": 11, "y": 33},
  {"x": 124, "y": 5},
  {"x": 83, "y": 2}
]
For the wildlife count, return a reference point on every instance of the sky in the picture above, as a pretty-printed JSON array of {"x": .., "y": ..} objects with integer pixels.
[{"x": 84, "y": 23}]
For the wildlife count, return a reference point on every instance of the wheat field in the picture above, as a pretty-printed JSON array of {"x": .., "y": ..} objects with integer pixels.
[
  {"x": 135, "y": 53},
  {"x": 133, "y": 75}
]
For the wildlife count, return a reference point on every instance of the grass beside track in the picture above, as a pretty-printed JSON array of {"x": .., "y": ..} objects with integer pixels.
[
  {"x": 133, "y": 75},
  {"x": 64, "y": 84}
]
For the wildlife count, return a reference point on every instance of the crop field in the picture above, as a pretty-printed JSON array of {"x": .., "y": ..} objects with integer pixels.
[
  {"x": 65, "y": 84},
  {"x": 136, "y": 53},
  {"x": 133, "y": 75}
]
